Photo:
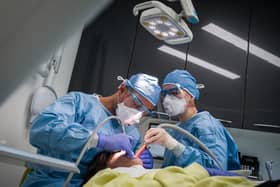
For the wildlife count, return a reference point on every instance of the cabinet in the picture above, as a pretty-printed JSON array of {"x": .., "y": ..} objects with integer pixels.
[
  {"x": 234, "y": 54},
  {"x": 217, "y": 60},
  {"x": 262, "y": 111}
]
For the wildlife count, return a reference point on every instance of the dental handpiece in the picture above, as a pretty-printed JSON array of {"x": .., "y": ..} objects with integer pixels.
[{"x": 140, "y": 151}]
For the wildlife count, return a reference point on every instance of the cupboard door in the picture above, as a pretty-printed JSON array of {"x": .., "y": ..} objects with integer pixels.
[
  {"x": 263, "y": 87},
  {"x": 217, "y": 57}
]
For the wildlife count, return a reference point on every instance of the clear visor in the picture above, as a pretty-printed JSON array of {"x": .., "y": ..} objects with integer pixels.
[
  {"x": 172, "y": 89},
  {"x": 134, "y": 102}
]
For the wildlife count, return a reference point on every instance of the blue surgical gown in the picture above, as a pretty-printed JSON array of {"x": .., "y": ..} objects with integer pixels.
[
  {"x": 213, "y": 134},
  {"x": 62, "y": 130}
]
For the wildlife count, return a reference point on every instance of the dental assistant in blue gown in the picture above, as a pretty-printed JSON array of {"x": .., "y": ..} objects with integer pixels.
[
  {"x": 64, "y": 127},
  {"x": 179, "y": 92}
]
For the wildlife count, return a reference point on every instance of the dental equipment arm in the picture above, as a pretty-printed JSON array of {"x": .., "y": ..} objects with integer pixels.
[
  {"x": 22, "y": 158},
  {"x": 189, "y": 11},
  {"x": 194, "y": 139},
  {"x": 151, "y": 4}
]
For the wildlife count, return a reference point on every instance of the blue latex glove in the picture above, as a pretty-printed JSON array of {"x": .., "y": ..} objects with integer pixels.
[
  {"x": 217, "y": 172},
  {"x": 147, "y": 159},
  {"x": 116, "y": 142}
]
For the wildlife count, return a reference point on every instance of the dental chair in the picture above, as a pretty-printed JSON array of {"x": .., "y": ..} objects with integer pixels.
[
  {"x": 44, "y": 95},
  {"x": 41, "y": 98}
]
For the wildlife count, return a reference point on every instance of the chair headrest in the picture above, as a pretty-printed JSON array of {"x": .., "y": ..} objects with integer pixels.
[{"x": 41, "y": 98}]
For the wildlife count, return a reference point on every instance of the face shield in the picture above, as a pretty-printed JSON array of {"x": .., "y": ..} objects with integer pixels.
[
  {"x": 137, "y": 103},
  {"x": 173, "y": 89},
  {"x": 131, "y": 109}
]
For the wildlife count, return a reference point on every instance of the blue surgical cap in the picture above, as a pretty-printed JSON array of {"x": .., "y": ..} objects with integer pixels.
[
  {"x": 145, "y": 85},
  {"x": 185, "y": 80}
]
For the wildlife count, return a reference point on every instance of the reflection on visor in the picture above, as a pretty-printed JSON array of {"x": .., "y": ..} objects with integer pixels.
[
  {"x": 140, "y": 105},
  {"x": 170, "y": 91}
]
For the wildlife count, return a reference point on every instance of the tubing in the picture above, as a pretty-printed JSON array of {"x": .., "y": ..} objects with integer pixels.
[
  {"x": 87, "y": 144},
  {"x": 193, "y": 138}
]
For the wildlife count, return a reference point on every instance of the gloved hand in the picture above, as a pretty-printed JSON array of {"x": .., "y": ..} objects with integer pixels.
[
  {"x": 217, "y": 172},
  {"x": 116, "y": 142},
  {"x": 147, "y": 159},
  {"x": 160, "y": 136}
]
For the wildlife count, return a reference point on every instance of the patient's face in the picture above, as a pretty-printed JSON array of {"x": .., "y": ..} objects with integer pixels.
[{"x": 119, "y": 159}]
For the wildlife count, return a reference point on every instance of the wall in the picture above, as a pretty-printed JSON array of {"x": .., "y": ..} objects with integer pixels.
[
  {"x": 263, "y": 145},
  {"x": 32, "y": 29},
  {"x": 14, "y": 110}
]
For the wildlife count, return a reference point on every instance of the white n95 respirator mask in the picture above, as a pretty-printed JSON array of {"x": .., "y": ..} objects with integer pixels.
[
  {"x": 173, "y": 105},
  {"x": 128, "y": 115}
]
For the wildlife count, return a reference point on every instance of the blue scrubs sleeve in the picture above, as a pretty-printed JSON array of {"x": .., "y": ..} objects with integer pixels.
[
  {"x": 192, "y": 154},
  {"x": 213, "y": 140},
  {"x": 212, "y": 134},
  {"x": 57, "y": 128}
]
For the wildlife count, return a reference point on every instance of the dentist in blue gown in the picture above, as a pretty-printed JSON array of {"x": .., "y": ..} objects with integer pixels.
[
  {"x": 64, "y": 127},
  {"x": 179, "y": 93}
]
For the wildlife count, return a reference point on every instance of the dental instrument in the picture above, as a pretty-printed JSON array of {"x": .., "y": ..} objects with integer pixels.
[
  {"x": 268, "y": 166},
  {"x": 140, "y": 151}
]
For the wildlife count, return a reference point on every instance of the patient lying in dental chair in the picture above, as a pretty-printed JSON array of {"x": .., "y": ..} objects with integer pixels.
[{"x": 115, "y": 169}]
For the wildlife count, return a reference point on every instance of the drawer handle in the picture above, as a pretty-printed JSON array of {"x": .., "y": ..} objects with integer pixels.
[
  {"x": 266, "y": 125},
  {"x": 225, "y": 121}
]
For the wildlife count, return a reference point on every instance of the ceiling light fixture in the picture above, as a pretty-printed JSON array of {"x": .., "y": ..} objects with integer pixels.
[
  {"x": 242, "y": 44},
  {"x": 199, "y": 62},
  {"x": 164, "y": 23}
]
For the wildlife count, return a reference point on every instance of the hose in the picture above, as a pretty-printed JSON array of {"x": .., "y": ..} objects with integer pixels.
[
  {"x": 87, "y": 144},
  {"x": 193, "y": 138}
]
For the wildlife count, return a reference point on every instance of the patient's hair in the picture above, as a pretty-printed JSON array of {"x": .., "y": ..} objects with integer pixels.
[
  {"x": 109, "y": 160},
  {"x": 98, "y": 163}
]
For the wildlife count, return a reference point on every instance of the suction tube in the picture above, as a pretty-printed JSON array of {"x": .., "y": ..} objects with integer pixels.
[
  {"x": 87, "y": 144},
  {"x": 193, "y": 138}
]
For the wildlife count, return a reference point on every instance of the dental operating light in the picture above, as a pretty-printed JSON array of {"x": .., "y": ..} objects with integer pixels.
[{"x": 164, "y": 23}]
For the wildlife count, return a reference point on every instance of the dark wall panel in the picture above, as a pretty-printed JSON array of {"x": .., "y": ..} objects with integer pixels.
[
  {"x": 263, "y": 91},
  {"x": 116, "y": 44},
  {"x": 222, "y": 96},
  {"x": 149, "y": 59}
]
